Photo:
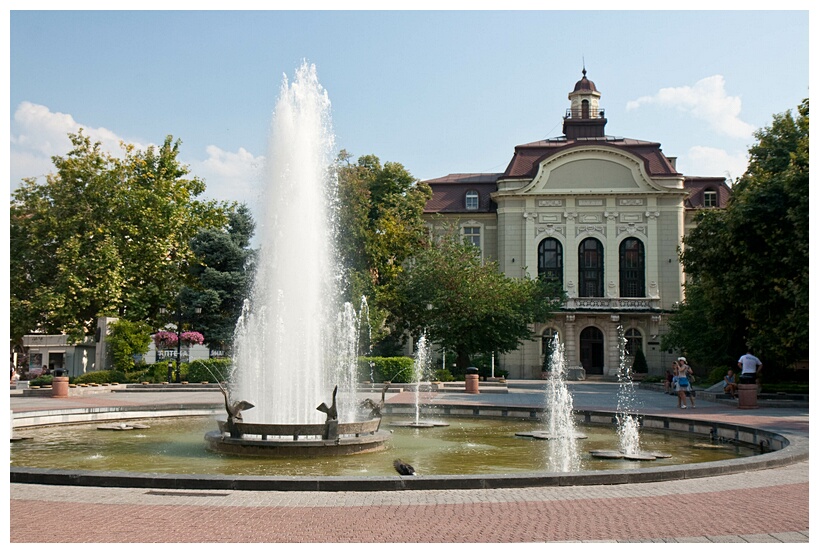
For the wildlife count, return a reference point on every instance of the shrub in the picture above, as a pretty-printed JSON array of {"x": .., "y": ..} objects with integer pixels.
[
  {"x": 640, "y": 365},
  {"x": 43, "y": 380},
  {"x": 128, "y": 339},
  {"x": 211, "y": 370},
  {"x": 717, "y": 374},
  {"x": 394, "y": 369},
  {"x": 101, "y": 377},
  {"x": 443, "y": 375}
]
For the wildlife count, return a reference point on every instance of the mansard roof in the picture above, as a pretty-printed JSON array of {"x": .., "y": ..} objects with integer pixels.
[
  {"x": 449, "y": 192},
  {"x": 528, "y": 157},
  {"x": 696, "y": 187}
]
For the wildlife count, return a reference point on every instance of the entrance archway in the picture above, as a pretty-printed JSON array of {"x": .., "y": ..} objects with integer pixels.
[{"x": 591, "y": 350}]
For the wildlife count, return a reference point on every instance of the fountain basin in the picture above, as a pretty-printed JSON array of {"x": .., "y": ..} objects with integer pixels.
[{"x": 289, "y": 440}]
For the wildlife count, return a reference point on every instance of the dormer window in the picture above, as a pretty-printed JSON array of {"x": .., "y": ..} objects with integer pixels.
[
  {"x": 709, "y": 198},
  {"x": 472, "y": 200}
]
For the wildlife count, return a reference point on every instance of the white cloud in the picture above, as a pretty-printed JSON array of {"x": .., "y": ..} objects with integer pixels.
[
  {"x": 703, "y": 161},
  {"x": 37, "y": 134},
  {"x": 707, "y": 101},
  {"x": 230, "y": 176}
]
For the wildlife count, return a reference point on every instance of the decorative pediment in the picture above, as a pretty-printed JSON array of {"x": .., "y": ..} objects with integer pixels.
[{"x": 592, "y": 170}]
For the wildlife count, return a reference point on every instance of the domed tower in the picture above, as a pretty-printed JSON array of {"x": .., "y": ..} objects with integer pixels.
[{"x": 584, "y": 119}]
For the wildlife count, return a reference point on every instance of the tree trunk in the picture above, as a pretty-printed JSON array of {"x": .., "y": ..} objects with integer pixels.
[{"x": 462, "y": 359}]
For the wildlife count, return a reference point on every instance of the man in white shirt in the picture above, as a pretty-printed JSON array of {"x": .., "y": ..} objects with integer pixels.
[{"x": 751, "y": 366}]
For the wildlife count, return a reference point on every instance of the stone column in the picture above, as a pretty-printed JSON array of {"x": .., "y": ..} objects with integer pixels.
[{"x": 570, "y": 342}]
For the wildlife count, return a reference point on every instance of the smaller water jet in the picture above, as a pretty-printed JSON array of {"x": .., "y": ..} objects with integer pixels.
[
  {"x": 420, "y": 371},
  {"x": 628, "y": 425},
  {"x": 561, "y": 431}
]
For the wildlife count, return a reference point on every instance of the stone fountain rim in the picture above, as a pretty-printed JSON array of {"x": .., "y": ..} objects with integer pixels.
[{"x": 795, "y": 448}]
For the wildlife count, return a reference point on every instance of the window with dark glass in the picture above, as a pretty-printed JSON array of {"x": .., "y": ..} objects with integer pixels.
[
  {"x": 590, "y": 268},
  {"x": 550, "y": 260},
  {"x": 547, "y": 346},
  {"x": 632, "y": 269},
  {"x": 709, "y": 198},
  {"x": 472, "y": 199},
  {"x": 634, "y": 341},
  {"x": 472, "y": 235}
]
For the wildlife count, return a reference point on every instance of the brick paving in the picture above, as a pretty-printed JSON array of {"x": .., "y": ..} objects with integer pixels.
[{"x": 765, "y": 506}]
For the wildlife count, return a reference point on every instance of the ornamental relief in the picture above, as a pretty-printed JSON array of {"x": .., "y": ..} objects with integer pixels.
[
  {"x": 588, "y": 229},
  {"x": 632, "y": 229},
  {"x": 550, "y": 203},
  {"x": 631, "y": 201},
  {"x": 550, "y": 230}
]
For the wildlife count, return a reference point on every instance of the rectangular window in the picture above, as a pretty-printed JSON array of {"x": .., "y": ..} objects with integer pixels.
[
  {"x": 710, "y": 198},
  {"x": 472, "y": 235}
]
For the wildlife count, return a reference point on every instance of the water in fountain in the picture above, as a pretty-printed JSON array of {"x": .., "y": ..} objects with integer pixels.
[
  {"x": 288, "y": 353},
  {"x": 419, "y": 371},
  {"x": 563, "y": 451},
  {"x": 628, "y": 427}
]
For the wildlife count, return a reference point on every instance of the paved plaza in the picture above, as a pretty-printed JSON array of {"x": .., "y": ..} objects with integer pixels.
[{"x": 770, "y": 505}]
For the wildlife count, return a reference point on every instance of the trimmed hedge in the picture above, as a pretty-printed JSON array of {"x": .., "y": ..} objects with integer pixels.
[
  {"x": 394, "y": 369},
  {"x": 100, "y": 377}
]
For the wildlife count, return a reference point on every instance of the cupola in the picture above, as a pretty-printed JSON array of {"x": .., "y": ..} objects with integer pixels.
[{"x": 584, "y": 119}]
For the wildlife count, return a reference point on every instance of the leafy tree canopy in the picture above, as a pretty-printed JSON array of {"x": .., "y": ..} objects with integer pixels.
[
  {"x": 748, "y": 264},
  {"x": 103, "y": 236},
  {"x": 223, "y": 269},
  {"x": 380, "y": 227},
  {"x": 468, "y": 306}
]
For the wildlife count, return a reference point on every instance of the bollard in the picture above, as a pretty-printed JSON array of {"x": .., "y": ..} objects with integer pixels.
[
  {"x": 59, "y": 386},
  {"x": 472, "y": 380},
  {"x": 747, "y": 396}
]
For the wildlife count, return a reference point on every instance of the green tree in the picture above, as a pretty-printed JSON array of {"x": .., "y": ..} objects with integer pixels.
[
  {"x": 748, "y": 265},
  {"x": 103, "y": 236},
  {"x": 126, "y": 340},
  {"x": 380, "y": 227},
  {"x": 468, "y": 306},
  {"x": 223, "y": 272}
]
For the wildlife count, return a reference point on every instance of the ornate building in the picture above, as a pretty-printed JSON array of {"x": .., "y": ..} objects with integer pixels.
[{"x": 604, "y": 215}]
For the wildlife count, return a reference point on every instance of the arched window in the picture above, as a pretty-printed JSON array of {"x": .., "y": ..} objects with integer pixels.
[
  {"x": 584, "y": 109},
  {"x": 472, "y": 199},
  {"x": 590, "y": 265},
  {"x": 550, "y": 260},
  {"x": 634, "y": 341},
  {"x": 632, "y": 269},
  {"x": 547, "y": 346}
]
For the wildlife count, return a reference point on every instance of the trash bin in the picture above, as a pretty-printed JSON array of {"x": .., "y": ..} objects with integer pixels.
[
  {"x": 747, "y": 396},
  {"x": 472, "y": 380},
  {"x": 59, "y": 384}
]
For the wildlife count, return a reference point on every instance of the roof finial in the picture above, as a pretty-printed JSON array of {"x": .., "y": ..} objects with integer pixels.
[{"x": 584, "y": 65}]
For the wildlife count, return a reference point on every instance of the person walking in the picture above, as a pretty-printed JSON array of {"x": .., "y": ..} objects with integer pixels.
[{"x": 683, "y": 372}]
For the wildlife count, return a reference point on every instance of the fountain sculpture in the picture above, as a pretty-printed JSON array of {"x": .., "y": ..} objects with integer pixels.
[{"x": 295, "y": 343}]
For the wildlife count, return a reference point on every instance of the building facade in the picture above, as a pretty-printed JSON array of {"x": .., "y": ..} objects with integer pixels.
[{"x": 603, "y": 215}]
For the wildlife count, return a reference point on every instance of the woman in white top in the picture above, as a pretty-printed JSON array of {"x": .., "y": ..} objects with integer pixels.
[{"x": 683, "y": 372}]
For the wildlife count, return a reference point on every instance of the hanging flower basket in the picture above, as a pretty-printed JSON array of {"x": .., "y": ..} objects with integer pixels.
[
  {"x": 165, "y": 340},
  {"x": 192, "y": 337}
]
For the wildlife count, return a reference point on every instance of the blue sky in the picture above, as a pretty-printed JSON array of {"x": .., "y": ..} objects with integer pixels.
[{"x": 438, "y": 91}]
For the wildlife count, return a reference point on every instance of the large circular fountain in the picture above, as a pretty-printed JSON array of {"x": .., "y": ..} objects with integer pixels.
[{"x": 295, "y": 341}]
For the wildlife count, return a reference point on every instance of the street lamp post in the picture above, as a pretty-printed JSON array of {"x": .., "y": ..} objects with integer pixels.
[{"x": 178, "y": 314}]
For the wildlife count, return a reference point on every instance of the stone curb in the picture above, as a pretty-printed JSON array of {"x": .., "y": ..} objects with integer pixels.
[{"x": 788, "y": 450}]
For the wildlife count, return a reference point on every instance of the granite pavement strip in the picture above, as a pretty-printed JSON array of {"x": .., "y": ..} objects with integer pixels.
[{"x": 762, "y": 506}]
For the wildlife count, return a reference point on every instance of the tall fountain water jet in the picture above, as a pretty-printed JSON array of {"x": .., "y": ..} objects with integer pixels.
[
  {"x": 563, "y": 451},
  {"x": 285, "y": 337},
  {"x": 628, "y": 427}
]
